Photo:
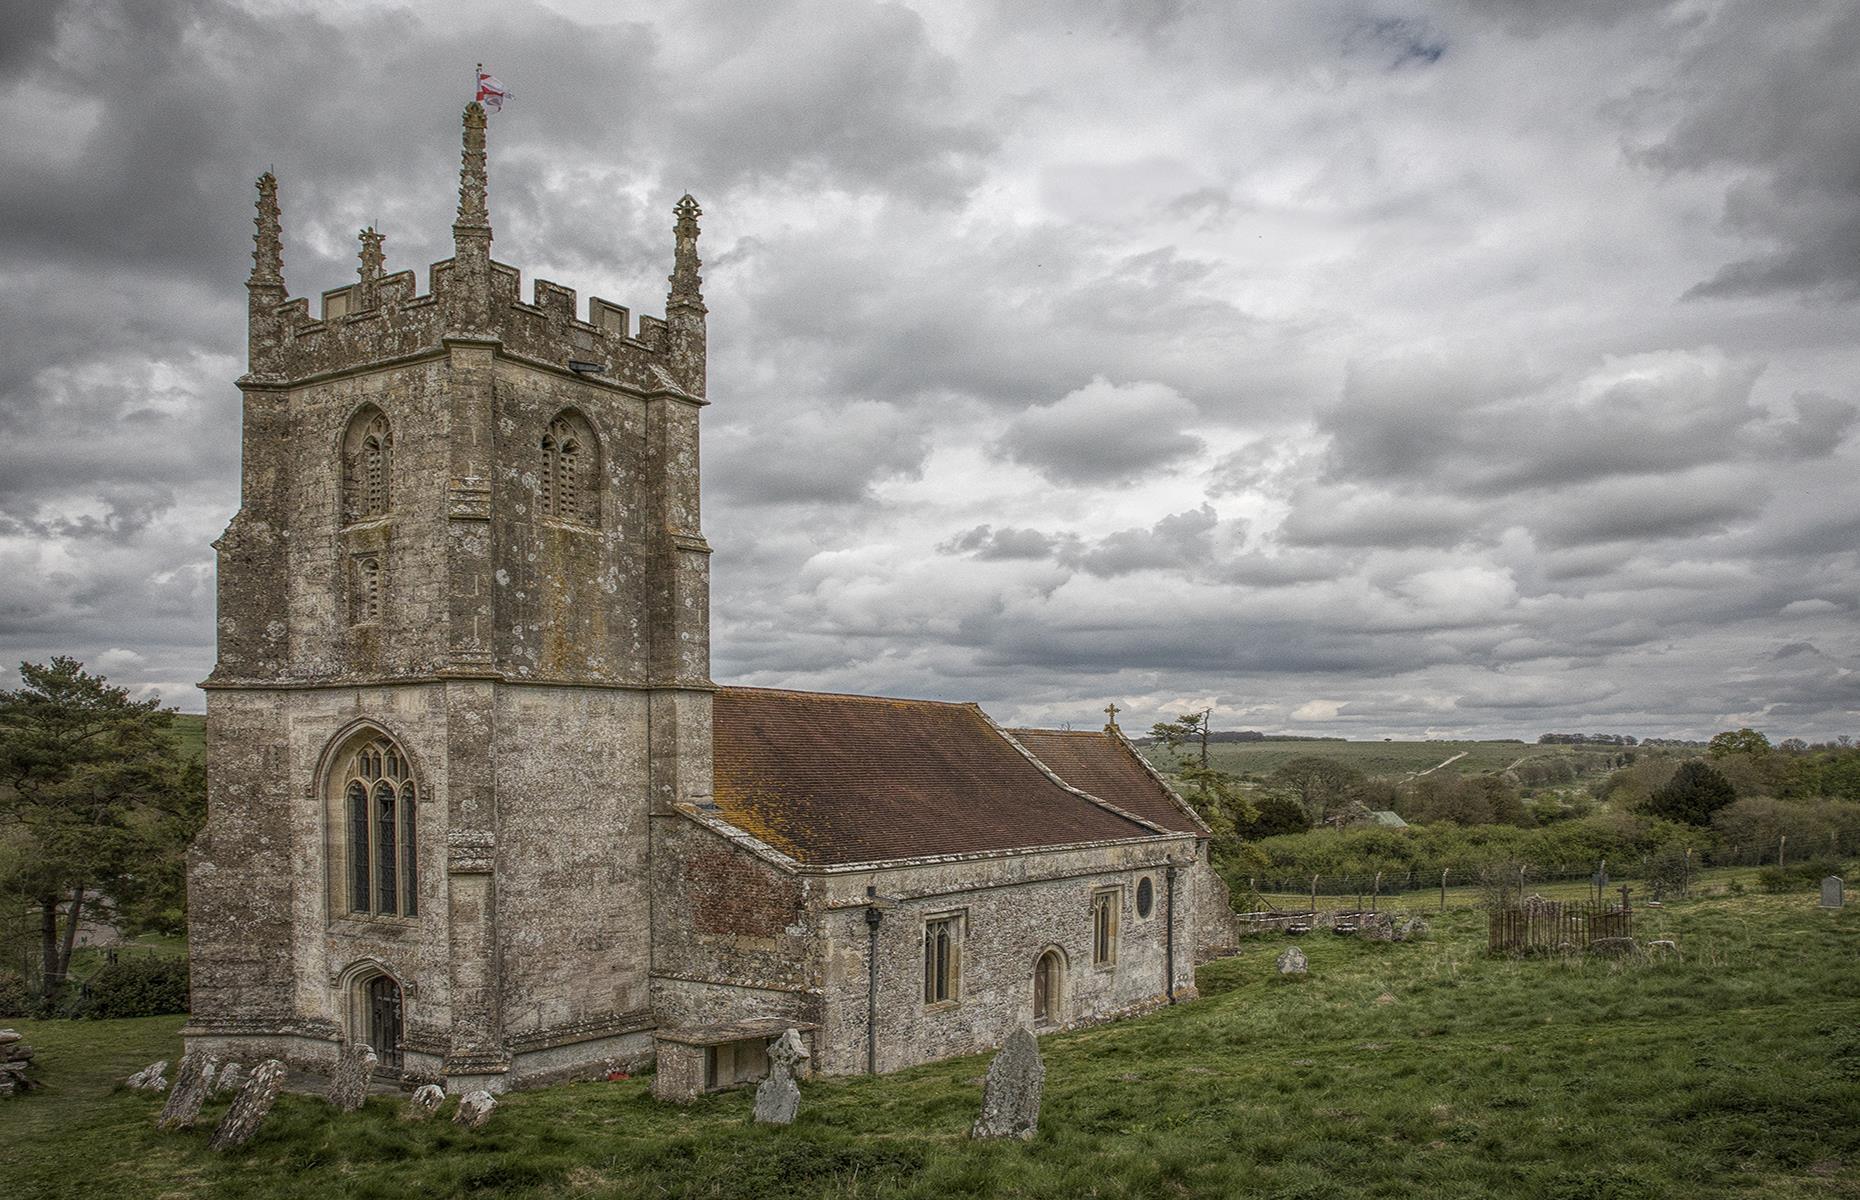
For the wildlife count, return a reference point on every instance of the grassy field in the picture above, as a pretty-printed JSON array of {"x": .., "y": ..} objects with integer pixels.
[
  {"x": 1406, "y": 1070},
  {"x": 1393, "y": 760},
  {"x": 190, "y": 730}
]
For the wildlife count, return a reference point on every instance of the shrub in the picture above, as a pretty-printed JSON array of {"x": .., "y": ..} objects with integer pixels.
[
  {"x": 15, "y": 998},
  {"x": 145, "y": 986},
  {"x": 1797, "y": 876}
]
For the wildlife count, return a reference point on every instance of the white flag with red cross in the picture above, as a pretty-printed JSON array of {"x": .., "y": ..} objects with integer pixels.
[{"x": 491, "y": 91}]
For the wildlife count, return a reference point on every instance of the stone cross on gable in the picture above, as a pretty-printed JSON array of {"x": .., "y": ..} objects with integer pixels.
[{"x": 1110, "y": 712}]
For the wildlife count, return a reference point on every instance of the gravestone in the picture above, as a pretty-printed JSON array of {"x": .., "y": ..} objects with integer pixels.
[
  {"x": 1615, "y": 947},
  {"x": 15, "y": 1060},
  {"x": 250, "y": 1106},
  {"x": 424, "y": 1102},
  {"x": 1292, "y": 961},
  {"x": 1011, "y": 1094},
  {"x": 1833, "y": 892},
  {"x": 1411, "y": 930},
  {"x": 475, "y": 1109},
  {"x": 779, "y": 1096},
  {"x": 229, "y": 1078},
  {"x": 152, "y": 1078},
  {"x": 193, "y": 1080},
  {"x": 355, "y": 1069}
]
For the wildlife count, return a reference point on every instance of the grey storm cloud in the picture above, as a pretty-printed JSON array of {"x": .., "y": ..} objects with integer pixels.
[
  {"x": 1103, "y": 433},
  {"x": 1346, "y": 368}
]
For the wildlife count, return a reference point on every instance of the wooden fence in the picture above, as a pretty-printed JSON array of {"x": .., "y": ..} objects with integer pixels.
[{"x": 1540, "y": 924}]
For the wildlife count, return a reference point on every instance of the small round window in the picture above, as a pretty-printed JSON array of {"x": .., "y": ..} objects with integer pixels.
[{"x": 1146, "y": 896}]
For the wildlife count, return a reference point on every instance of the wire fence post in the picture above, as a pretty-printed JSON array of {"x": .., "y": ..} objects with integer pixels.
[
  {"x": 1685, "y": 874},
  {"x": 1314, "y": 880},
  {"x": 1375, "y": 896},
  {"x": 1443, "y": 890},
  {"x": 1782, "y": 845}
]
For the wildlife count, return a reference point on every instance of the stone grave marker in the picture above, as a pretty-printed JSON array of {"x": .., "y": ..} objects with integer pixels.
[
  {"x": 1292, "y": 961},
  {"x": 193, "y": 1080},
  {"x": 424, "y": 1102},
  {"x": 355, "y": 1069},
  {"x": 229, "y": 1078},
  {"x": 250, "y": 1106},
  {"x": 152, "y": 1078},
  {"x": 1833, "y": 892},
  {"x": 15, "y": 1060},
  {"x": 1011, "y": 1094},
  {"x": 475, "y": 1108},
  {"x": 779, "y": 1096}
]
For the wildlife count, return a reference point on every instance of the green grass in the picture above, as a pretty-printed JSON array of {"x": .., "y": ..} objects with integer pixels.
[
  {"x": 1395, "y": 760},
  {"x": 190, "y": 733},
  {"x": 1392, "y": 1071}
]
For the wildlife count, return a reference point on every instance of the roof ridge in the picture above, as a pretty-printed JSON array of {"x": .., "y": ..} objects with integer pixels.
[{"x": 779, "y": 691}]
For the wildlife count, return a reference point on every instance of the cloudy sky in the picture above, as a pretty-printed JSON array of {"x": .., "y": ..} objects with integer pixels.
[{"x": 1362, "y": 368}]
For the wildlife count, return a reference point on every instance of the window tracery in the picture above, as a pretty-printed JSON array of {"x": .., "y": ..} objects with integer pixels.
[
  {"x": 567, "y": 486},
  {"x": 367, "y": 466},
  {"x": 379, "y": 806}
]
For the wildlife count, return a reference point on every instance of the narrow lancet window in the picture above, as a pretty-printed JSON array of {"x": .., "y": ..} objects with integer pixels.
[
  {"x": 367, "y": 466},
  {"x": 567, "y": 473}
]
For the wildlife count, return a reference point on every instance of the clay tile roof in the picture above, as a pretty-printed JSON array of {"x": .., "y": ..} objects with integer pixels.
[
  {"x": 1106, "y": 766},
  {"x": 841, "y": 779}
]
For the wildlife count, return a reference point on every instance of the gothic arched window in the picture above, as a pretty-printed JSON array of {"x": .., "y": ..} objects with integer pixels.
[
  {"x": 380, "y": 841},
  {"x": 567, "y": 473},
  {"x": 367, "y": 466}
]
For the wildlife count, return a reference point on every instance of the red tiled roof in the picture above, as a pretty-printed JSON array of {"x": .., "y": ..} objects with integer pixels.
[
  {"x": 1095, "y": 762},
  {"x": 840, "y": 779}
]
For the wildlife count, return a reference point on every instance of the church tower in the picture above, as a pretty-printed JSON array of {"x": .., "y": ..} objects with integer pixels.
[{"x": 463, "y": 659}]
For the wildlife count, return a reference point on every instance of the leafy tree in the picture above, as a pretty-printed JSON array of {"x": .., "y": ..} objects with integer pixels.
[
  {"x": 101, "y": 802},
  {"x": 1743, "y": 741},
  {"x": 1319, "y": 783},
  {"x": 1189, "y": 727},
  {"x": 1695, "y": 792},
  {"x": 1275, "y": 813},
  {"x": 1220, "y": 800}
]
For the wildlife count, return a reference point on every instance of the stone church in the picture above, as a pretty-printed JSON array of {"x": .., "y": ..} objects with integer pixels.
[{"x": 474, "y": 798}]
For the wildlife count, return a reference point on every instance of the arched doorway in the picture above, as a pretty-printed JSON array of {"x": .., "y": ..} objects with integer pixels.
[
  {"x": 381, "y": 1020},
  {"x": 1048, "y": 982}
]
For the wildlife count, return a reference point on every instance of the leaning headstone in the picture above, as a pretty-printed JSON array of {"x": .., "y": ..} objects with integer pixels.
[
  {"x": 1292, "y": 961},
  {"x": 152, "y": 1078},
  {"x": 1011, "y": 1095},
  {"x": 229, "y": 1078},
  {"x": 1663, "y": 946},
  {"x": 1412, "y": 929},
  {"x": 250, "y": 1107},
  {"x": 475, "y": 1109},
  {"x": 779, "y": 1096},
  {"x": 355, "y": 1069},
  {"x": 193, "y": 1079},
  {"x": 1833, "y": 892},
  {"x": 1615, "y": 947},
  {"x": 424, "y": 1102}
]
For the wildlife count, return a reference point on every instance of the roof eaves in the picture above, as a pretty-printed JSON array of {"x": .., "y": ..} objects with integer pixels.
[{"x": 930, "y": 860}]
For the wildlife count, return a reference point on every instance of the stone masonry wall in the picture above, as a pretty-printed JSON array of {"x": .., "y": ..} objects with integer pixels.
[
  {"x": 1013, "y": 909},
  {"x": 573, "y": 874},
  {"x": 733, "y": 935}
]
